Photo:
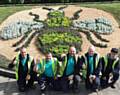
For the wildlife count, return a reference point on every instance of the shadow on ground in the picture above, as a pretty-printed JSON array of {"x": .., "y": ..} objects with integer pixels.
[{"x": 8, "y": 86}]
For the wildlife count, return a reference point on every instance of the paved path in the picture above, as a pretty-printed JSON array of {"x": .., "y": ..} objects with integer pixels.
[{"x": 8, "y": 87}]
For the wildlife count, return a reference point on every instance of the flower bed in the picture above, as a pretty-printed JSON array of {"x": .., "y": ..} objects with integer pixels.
[
  {"x": 99, "y": 25},
  {"x": 57, "y": 19},
  {"x": 19, "y": 28},
  {"x": 89, "y": 37},
  {"x": 58, "y": 42}
]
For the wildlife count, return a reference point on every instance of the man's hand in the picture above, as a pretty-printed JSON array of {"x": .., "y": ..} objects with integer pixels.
[
  {"x": 70, "y": 77},
  {"x": 111, "y": 75},
  {"x": 28, "y": 77},
  {"x": 91, "y": 78}
]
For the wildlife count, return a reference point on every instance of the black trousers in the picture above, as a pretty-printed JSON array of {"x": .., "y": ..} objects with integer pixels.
[
  {"x": 46, "y": 82},
  {"x": 105, "y": 80},
  {"x": 94, "y": 85},
  {"x": 22, "y": 83},
  {"x": 66, "y": 84}
]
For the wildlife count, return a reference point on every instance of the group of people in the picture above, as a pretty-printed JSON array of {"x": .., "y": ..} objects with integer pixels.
[{"x": 67, "y": 72}]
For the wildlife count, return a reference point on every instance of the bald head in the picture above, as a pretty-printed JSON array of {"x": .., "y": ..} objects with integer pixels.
[
  {"x": 23, "y": 52},
  {"x": 91, "y": 50},
  {"x": 72, "y": 50}
]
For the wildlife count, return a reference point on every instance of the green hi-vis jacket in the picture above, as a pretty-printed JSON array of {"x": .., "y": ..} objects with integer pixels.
[
  {"x": 55, "y": 66},
  {"x": 106, "y": 62},
  {"x": 85, "y": 60},
  {"x": 63, "y": 65},
  {"x": 17, "y": 60}
]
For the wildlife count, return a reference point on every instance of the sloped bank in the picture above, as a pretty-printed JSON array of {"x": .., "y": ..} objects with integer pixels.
[{"x": 4, "y": 71}]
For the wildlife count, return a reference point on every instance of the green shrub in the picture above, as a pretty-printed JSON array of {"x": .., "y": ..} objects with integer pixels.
[
  {"x": 55, "y": 14},
  {"x": 58, "y": 22},
  {"x": 58, "y": 42},
  {"x": 57, "y": 19}
]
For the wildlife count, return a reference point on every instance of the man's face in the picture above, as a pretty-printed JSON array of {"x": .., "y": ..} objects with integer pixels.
[
  {"x": 48, "y": 56},
  {"x": 72, "y": 51},
  {"x": 113, "y": 55},
  {"x": 91, "y": 52},
  {"x": 23, "y": 52}
]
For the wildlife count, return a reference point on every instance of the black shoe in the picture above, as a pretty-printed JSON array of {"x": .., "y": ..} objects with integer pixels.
[
  {"x": 32, "y": 87},
  {"x": 76, "y": 90},
  {"x": 112, "y": 86},
  {"x": 22, "y": 89},
  {"x": 104, "y": 86}
]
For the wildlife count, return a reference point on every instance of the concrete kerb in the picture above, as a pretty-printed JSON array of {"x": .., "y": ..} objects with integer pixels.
[{"x": 7, "y": 73}]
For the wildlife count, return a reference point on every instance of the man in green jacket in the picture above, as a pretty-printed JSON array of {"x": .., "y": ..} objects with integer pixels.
[
  {"x": 91, "y": 66},
  {"x": 110, "y": 68},
  {"x": 47, "y": 69},
  {"x": 24, "y": 70},
  {"x": 68, "y": 71}
]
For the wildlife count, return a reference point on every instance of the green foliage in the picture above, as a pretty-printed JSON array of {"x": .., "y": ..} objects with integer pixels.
[
  {"x": 58, "y": 42},
  {"x": 52, "y": 37},
  {"x": 57, "y": 19},
  {"x": 55, "y": 14},
  {"x": 59, "y": 49}
]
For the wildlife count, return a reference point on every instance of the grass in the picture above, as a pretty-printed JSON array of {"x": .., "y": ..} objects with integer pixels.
[
  {"x": 6, "y": 11},
  {"x": 113, "y": 8}
]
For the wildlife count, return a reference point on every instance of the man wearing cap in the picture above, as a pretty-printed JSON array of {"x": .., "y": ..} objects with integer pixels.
[{"x": 110, "y": 68}]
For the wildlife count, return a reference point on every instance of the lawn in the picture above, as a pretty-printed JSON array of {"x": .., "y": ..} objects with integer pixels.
[
  {"x": 113, "y": 8},
  {"x": 6, "y": 11}
]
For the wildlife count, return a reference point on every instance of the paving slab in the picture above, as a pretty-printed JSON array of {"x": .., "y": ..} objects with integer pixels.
[{"x": 8, "y": 86}]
